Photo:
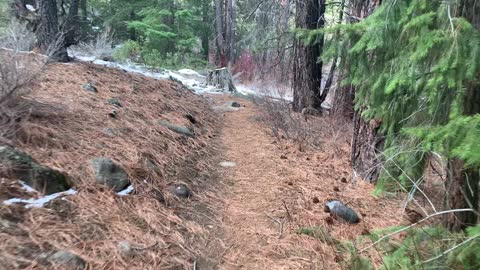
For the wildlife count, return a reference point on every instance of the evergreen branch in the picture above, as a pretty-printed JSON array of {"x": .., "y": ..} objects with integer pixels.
[{"x": 452, "y": 249}]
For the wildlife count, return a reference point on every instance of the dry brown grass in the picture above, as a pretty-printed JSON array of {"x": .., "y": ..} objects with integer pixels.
[{"x": 95, "y": 220}]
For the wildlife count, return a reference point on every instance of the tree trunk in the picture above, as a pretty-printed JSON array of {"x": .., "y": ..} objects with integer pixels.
[
  {"x": 50, "y": 40},
  {"x": 462, "y": 187},
  {"x": 366, "y": 144},
  {"x": 307, "y": 69},
  {"x": 72, "y": 24},
  {"x": 462, "y": 192},
  {"x": 83, "y": 9},
  {"x": 221, "y": 58},
  {"x": 205, "y": 32}
]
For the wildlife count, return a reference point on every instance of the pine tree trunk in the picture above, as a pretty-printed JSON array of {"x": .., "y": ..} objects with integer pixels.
[
  {"x": 366, "y": 144},
  {"x": 307, "y": 69},
  {"x": 50, "y": 40},
  {"x": 72, "y": 24},
  {"x": 83, "y": 9},
  {"x": 462, "y": 187},
  {"x": 221, "y": 59},
  {"x": 462, "y": 192},
  {"x": 206, "y": 25}
]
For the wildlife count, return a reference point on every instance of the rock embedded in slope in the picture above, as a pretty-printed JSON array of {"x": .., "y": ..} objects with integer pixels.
[
  {"x": 68, "y": 260},
  {"x": 234, "y": 104},
  {"x": 17, "y": 164},
  {"x": 180, "y": 190},
  {"x": 115, "y": 102},
  {"x": 90, "y": 88},
  {"x": 109, "y": 174},
  {"x": 125, "y": 249},
  {"x": 178, "y": 129},
  {"x": 338, "y": 209}
]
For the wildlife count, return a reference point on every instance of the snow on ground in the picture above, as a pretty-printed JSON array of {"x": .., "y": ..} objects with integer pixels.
[
  {"x": 190, "y": 78},
  {"x": 126, "y": 191},
  {"x": 40, "y": 202}
]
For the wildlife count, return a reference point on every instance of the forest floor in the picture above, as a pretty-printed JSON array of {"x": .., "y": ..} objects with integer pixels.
[
  {"x": 264, "y": 212},
  {"x": 275, "y": 192}
]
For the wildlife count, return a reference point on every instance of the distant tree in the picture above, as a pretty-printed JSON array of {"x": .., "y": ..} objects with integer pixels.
[
  {"x": 49, "y": 37},
  {"x": 307, "y": 66}
]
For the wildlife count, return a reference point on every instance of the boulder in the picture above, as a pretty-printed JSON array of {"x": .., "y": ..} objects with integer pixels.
[
  {"x": 180, "y": 190},
  {"x": 17, "y": 164},
  {"x": 68, "y": 260},
  {"x": 110, "y": 174},
  {"x": 178, "y": 129},
  {"x": 338, "y": 209}
]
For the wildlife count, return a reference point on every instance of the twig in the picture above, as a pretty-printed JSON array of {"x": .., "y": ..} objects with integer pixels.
[
  {"x": 288, "y": 212},
  {"x": 279, "y": 223}
]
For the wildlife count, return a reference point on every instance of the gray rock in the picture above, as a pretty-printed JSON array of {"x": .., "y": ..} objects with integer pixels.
[
  {"x": 180, "y": 190},
  {"x": 68, "y": 259},
  {"x": 337, "y": 208},
  {"x": 110, "y": 174},
  {"x": 178, "y": 129},
  {"x": 90, "y": 88},
  {"x": 115, "y": 102},
  {"x": 18, "y": 164},
  {"x": 113, "y": 114},
  {"x": 234, "y": 104},
  {"x": 125, "y": 249}
]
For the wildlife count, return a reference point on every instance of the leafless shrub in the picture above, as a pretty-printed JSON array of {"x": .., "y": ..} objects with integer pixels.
[
  {"x": 18, "y": 68},
  {"x": 17, "y": 37},
  {"x": 287, "y": 124},
  {"x": 100, "y": 48}
]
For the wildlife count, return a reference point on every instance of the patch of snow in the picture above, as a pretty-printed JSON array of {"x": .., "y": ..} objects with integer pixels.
[
  {"x": 40, "y": 202},
  {"x": 30, "y": 8},
  {"x": 27, "y": 187},
  {"x": 126, "y": 191},
  {"x": 189, "y": 72},
  {"x": 228, "y": 164}
]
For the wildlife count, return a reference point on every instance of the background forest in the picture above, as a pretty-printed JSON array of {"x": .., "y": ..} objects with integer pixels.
[{"x": 404, "y": 73}]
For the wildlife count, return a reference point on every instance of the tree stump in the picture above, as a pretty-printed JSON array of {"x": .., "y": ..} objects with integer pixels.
[{"x": 221, "y": 78}]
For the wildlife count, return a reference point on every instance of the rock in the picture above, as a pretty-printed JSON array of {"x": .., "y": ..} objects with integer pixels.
[
  {"x": 338, "y": 209},
  {"x": 283, "y": 157},
  {"x": 109, "y": 131},
  {"x": 178, "y": 129},
  {"x": 110, "y": 174},
  {"x": 234, "y": 104},
  {"x": 180, "y": 190},
  {"x": 191, "y": 118},
  {"x": 125, "y": 249},
  {"x": 158, "y": 195},
  {"x": 18, "y": 164},
  {"x": 113, "y": 114},
  {"x": 115, "y": 102},
  {"x": 228, "y": 164},
  {"x": 90, "y": 88},
  {"x": 343, "y": 180},
  {"x": 315, "y": 200},
  {"x": 68, "y": 259}
]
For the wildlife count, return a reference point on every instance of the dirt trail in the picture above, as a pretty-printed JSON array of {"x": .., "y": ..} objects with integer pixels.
[
  {"x": 270, "y": 198},
  {"x": 255, "y": 217}
]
